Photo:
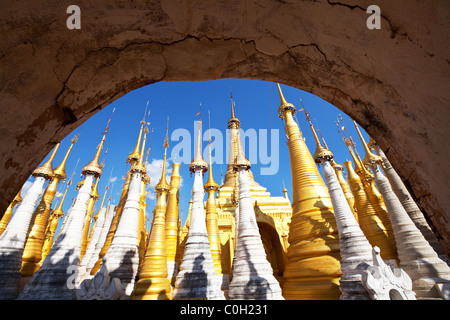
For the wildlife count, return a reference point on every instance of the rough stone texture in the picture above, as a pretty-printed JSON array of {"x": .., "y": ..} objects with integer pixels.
[{"x": 393, "y": 81}]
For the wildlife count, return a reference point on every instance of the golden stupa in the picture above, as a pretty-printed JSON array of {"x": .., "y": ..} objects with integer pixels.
[
  {"x": 300, "y": 239},
  {"x": 33, "y": 248},
  {"x": 313, "y": 269},
  {"x": 153, "y": 283},
  {"x": 273, "y": 215}
]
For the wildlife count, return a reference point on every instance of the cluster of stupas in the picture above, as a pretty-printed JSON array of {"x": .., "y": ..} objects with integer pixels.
[{"x": 360, "y": 238}]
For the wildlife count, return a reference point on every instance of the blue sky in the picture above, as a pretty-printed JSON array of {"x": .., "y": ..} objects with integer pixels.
[{"x": 256, "y": 104}]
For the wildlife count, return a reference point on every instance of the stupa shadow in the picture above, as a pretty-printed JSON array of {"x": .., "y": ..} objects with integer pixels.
[
  {"x": 196, "y": 281},
  {"x": 257, "y": 287},
  {"x": 56, "y": 279}
]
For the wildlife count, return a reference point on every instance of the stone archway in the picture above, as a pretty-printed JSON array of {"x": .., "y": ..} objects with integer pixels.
[
  {"x": 274, "y": 250},
  {"x": 393, "y": 81}
]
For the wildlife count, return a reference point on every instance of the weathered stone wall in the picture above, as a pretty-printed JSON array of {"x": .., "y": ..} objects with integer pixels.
[{"x": 393, "y": 81}]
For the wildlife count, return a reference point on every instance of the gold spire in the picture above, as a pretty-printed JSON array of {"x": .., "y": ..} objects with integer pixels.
[
  {"x": 210, "y": 184},
  {"x": 94, "y": 193},
  {"x": 87, "y": 219},
  {"x": 162, "y": 184},
  {"x": 138, "y": 166},
  {"x": 104, "y": 194},
  {"x": 32, "y": 253},
  {"x": 241, "y": 160},
  {"x": 134, "y": 156},
  {"x": 59, "y": 211},
  {"x": 53, "y": 221},
  {"x": 372, "y": 143},
  {"x": 313, "y": 267},
  {"x": 211, "y": 216},
  {"x": 8, "y": 213},
  {"x": 321, "y": 152},
  {"x": 366, "y": 179},
  {"x": 234, "y": 128},
  {"x": 234, "y": 122},
  {"x": 187, "y": 223},
  {"x": 60, "y": 171},
  {"x": 141, "y": 168},
  {"x": 95, "y": 216},
  {"x": 94, "y": 167},
  {"x": 18, "y": 198},
  {"x": 369, "y": 219},
  {"x": 348, "y": 141},
  {"x": 370, "y": 156},
  {"x": 171, "y": 222},
  {"x": 114, "y": 222},
  {"x": 198, "y": 161},
  {"x": 285, "y": 192},
  {"x": 284, "y": 104},
  {"x": 52, "y": 224},
  {"x": 336, "y": 166},
  {"x": 145, "y": 176},
  {"x": 153, "y": 283},
  {"x": 355, "y": 156},
  {"x": 46, "y": 169}
]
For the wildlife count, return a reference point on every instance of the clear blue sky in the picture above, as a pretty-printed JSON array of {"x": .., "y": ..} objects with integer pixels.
[{"x": 256, "y": 104}]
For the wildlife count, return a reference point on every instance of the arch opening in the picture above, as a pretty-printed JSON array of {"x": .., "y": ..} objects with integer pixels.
[
  {"x": 273, "y": 248},
  {"x": 52, "y": 82}
]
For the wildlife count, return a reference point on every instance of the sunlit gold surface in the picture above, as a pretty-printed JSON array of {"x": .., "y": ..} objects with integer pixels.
[
  {"x": 46, "y": 170},
  {"x": 320, "y": 152},
  {"x": 117, "y": 216},
  {"x": 370, "y": 157},
  {"x": 182, "y": 235},
  {"x": 141, "y": 167},
  {"x": 273, "y": 215},
  {"x": 95, "y": 216},
  {"x": 233, "y": 127},
  {"x": 33, "y": 247},
  {"x": 9, "y": 211},
  {"x": 197, "y": 161},
  {"x": 135, "y": 155},
  {"x": 153, "y": 282},
  {"x": 368, "y": 180},
  {"x": 369, "y": 221},
  {"x": 60, "y": 171},
  {"x": 172, "y": 214},
  {"x": 141, "y": 237},
  {"x": 375, "y": 198},
  {"x": 87, "y": 220},
  {"x": 114, "y": 223},
  {"x": 313, "y": 269},
  {"x": 52, "y": 224},
  {"x": 94, "y": 166},
  {"x": 211, "y": 217},
  {"x": 32, "y": 253}
]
